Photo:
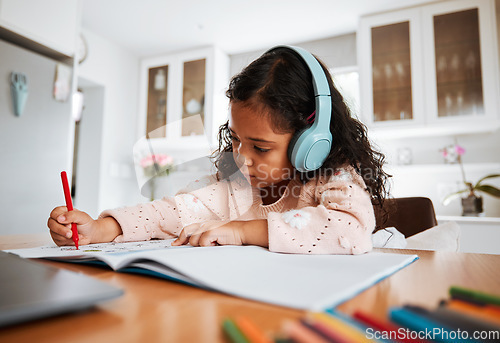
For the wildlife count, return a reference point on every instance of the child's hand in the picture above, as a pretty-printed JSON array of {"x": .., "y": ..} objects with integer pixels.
[
  {"x": 60, "y": 226},
  {"x": 89, "y": 230},
  {"x": 213, "y": 233}
]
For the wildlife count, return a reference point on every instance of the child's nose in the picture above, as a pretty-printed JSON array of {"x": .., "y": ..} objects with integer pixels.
[
  {"x": 243, "y": 155},
  {"x": 248, "y": 162},
  {"x": 243, "y": 160}
]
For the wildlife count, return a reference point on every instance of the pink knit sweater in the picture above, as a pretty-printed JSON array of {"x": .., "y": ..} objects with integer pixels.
[{"x": 327, "y": 215}]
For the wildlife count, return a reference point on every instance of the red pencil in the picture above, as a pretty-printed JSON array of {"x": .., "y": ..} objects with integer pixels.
[
  {"x": 384, "y": 326},
  {"x": 69, "y": 205}
]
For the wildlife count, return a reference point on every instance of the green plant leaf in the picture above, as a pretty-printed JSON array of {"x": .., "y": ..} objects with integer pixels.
[
  {"x": 486, "y": 177},
  {"x": 452, "y": 196},
  {"x": 488, "y": 189}
]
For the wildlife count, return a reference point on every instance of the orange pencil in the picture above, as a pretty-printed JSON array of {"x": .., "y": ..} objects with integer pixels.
[
  {"x": 251, "y": 331},
  {"x": 488, "y": 313}
]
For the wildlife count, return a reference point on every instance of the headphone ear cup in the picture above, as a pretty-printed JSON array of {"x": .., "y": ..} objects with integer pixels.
[
  {"x": 318, "y": 152},
  {"x": 309, "y": 148},
  {"x": 291, "y": 147}
]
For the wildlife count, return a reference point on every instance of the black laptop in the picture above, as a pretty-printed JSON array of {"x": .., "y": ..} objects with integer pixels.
[{"x": 31, "y": 290}]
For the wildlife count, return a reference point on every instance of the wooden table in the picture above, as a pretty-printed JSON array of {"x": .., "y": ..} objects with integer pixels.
[{"x": 154, "y": 310}]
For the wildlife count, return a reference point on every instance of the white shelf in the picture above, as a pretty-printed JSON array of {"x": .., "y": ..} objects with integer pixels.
[
  {"x": 464, "y": 219},
  {"x": 442, "y": 168},
  {"x": 451, "y": 129}
]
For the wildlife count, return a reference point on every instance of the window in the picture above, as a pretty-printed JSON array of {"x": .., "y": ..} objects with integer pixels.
[{"x": 347, "y": 82}]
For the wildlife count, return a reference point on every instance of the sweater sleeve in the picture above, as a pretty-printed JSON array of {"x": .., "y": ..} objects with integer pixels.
[
  {"x": 339, "y": 221},
  {"x": 165, "y": 218}
]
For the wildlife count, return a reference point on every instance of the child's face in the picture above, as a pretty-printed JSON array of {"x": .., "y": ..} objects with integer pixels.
[{"x": 261, "y": 151}]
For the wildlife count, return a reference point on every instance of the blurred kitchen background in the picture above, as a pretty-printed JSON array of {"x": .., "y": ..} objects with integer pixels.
[{"x": 84, "y": 82}]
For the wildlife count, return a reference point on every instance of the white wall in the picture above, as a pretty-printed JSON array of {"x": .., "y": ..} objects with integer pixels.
[
  {"x": 33, "y": 147},
  {"x": 89, "y": 149},
  {"x": 429, "y": 176},
  {"x": 117, "y": 71},
  {"x": 335, "y": 52}
]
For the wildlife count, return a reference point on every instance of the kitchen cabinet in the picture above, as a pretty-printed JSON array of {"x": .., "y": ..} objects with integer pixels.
[
  {"x": 183, "y": 100},
  {"x": 38, "y": 25},
  {"x": 430, "y": 70}
]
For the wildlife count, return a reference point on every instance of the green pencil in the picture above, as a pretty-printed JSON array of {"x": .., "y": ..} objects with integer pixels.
[
  {"x": 232, "y": 331},
  {"x": 474, "y": 295}
]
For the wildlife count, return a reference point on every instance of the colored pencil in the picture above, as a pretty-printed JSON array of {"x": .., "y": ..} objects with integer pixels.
[
  {"x": 232, "y": 331},
  {"x": 355, "y": 324},
  {"x": 419, "y": 323},
  {"x": 325, "y": 331},
  {"x": 453, "y": 320},
  {"x": 251, "y": 331},
  {"x": 301, "y": 334},
  {"x": 384, "y": 326},
  {"x": 466, "y": 293},
  {"x": 337, "y": 325},
  {"x": 463, "y": 320},
  {"x": 69, "y": 205},
  {"x": 486, "y": 312}
]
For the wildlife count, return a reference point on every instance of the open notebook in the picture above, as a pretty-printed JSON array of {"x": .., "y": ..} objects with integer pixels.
[{"x": 308, "y": 282}]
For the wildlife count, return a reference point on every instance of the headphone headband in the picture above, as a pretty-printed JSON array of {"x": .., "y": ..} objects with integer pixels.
[
  {"x": 320, "y": 83},
  {"x": 310, "y": 147}
]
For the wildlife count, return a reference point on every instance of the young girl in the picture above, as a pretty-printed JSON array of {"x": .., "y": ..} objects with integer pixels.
[{"x": 257, "y": 197}]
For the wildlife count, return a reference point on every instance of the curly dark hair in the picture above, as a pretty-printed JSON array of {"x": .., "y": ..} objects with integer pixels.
[{"x": 281, "y": 83}]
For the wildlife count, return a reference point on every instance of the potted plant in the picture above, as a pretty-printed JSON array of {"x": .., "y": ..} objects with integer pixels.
[{"x": 472, "y": 204}]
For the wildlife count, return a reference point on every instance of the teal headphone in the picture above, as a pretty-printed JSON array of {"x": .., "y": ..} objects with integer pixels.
[{"x": 309, "y": 148}]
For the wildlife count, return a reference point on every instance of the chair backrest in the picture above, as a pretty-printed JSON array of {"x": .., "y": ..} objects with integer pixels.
[{"x": 408, "y": 215}]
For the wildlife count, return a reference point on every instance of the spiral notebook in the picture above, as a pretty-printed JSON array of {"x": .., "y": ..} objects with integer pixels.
[{"x": 307, "y": 282}]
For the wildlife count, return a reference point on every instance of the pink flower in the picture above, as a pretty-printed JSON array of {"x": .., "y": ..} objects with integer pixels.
[
  {"x": 160, "y": 159},
  {"x": 147, "y": 161},
  {"x": 459, "y": 150}
]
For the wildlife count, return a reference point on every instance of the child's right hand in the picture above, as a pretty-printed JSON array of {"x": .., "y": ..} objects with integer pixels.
[{"x": 60, "y": 221}]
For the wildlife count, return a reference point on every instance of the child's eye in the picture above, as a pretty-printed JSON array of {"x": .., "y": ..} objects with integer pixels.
[
  {"x": 233, "y": 138},
  {"x": 261, "y": 149}
]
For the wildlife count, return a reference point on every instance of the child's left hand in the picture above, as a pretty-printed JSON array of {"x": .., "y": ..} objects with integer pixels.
[{"x": 211, "y": 233}]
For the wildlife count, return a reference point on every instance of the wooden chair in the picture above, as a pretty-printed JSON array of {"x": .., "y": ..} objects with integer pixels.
[{"x": 408, "y": 215}]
